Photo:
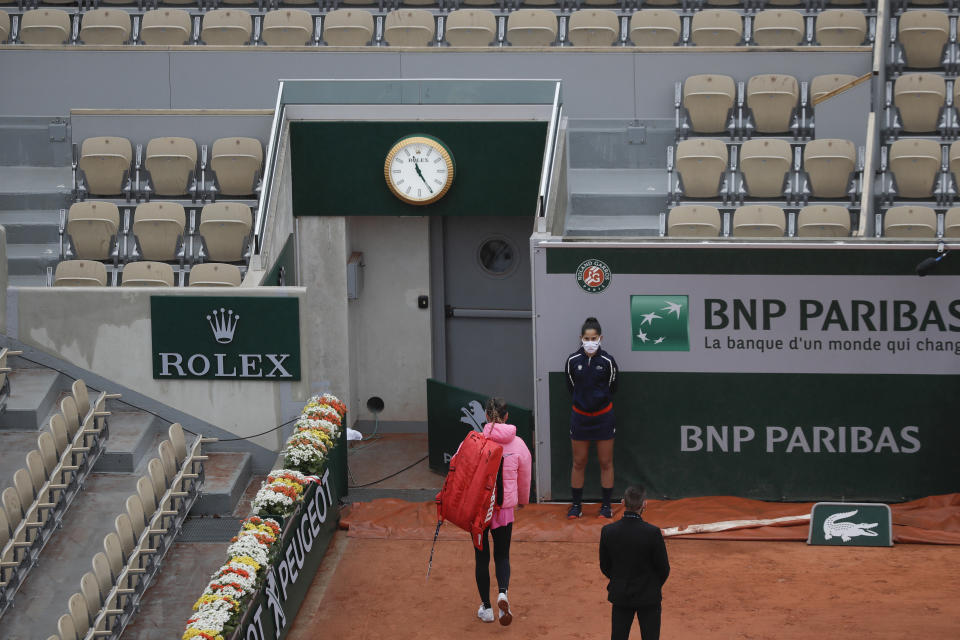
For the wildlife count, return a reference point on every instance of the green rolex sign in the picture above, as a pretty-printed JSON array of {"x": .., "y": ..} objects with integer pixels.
[
  {"x": 225, "y": 338},
  {"x": 851, "y": 524},
  {"x": 659, "y": 323}
]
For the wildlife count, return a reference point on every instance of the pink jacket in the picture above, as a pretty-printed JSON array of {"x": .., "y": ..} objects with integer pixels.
[{"x": 516, "y": 470}]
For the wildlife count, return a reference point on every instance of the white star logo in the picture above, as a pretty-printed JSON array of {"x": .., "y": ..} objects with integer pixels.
[
  {"x": 659, "y": 340},
  {"x": 672, "y": 307},
  {"x": 648, "y": 318},
  {"x": 642, "y": 336}
]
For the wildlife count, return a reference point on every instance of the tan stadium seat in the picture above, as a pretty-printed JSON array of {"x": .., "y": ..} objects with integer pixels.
[
  {"x": 716, "y": 27},
  {"x": 694, "y": 221},
  {"x": 823, "y": 221},
  {"x": 772, "y": 98},
  {"x": 844, "y": 3},
  {"x": 226, "y": 2},
  {"x": 101, "y": 569},
  {"x": 231, "y": 27},
  {"x": 922, "y": 35},
  {"x": 166, "y": 27},
  {"x": 759, "y": 221},
  {"x": 105, "y": 26},
  {"x": 287, "y": 27},
  {"x": 765, "y": 163},
  {"x": 662, "y": 3},
  {"x": 471, "y": 28},
  {"x": 822, "y": 85},
  {"x": 409, "y": 28},
  {"x": 915, "y": 164},
  {"x": 104, "y": 160},
  {"x": 708, "y": 99},
  {"x": 841, "y": 28},
  {"x": 532, "y": 28},
  {"x": 4, "y": 26},
  {"x": 477, "y": 3},
  {"x": 45, "y": 26},
  {"x": 147, "y": 274},
  {"x": 601, "y": 3},
  {"x": 919, "y": 97},
  {"x": 910, "y": 222},
  {"x": 723, "y": 3},
  {"x": 540, "y": 3},
  {"x": 593, "y": 28},
  {"x": 778, "y": 27},
  {"x": 158, "y": 227},
  {"x": 655, "y": 28},
  {"x": 91, "y": 226},
  {"x": 951, "y": 223},
  {"x": 80, "y": 273},
  {"x": 179, "y": 442},
  {"x": 784, "y": 3},
  {"x": 211, "y": 274},
  {"x": 348, "y": 27},
  {"x": 171, "y": 163},
  {"x": 418, "y": 3},
  {"x": 90, "y": 590},
  {"x": 36, "y": 469},
  {"x": 224, "y": 227},
  {"x": 701, "y": 163},
  {"x": 954, "y": 161},
  {"x": 77, "y": 606},
  {"x": 829, "y": 163},
  {"x": 236, "y": 161}
]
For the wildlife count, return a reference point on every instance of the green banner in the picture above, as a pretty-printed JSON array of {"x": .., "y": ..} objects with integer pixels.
[
  {"x": 452, "y": 413},
  {"x": 225, "y": 338},
  {"x": 851, "y": 524}
]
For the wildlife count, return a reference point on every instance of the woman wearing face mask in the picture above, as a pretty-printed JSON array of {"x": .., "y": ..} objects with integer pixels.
[{"x": 592, "y": 380}]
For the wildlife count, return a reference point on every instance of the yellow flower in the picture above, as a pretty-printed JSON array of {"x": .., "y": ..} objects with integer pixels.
[{"x": 247, "y": 560}]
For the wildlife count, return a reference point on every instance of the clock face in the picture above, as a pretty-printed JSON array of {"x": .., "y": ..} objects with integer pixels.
[{"x": 419, "y": 169}]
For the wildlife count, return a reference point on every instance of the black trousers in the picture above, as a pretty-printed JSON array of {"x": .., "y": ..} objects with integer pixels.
[
  {"x": 501, "y": 560},
  {"x": 647, "y": 617}
]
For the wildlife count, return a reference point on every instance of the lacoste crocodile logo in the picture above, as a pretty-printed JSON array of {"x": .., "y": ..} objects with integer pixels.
[{"x": 846, "y": 530}]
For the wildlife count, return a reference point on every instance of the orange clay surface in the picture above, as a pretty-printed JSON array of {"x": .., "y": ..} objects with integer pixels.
[{"x": 718, "y": 589}]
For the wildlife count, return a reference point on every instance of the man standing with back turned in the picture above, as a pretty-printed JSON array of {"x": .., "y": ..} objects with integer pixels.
[{"x": 634, "y": 558}]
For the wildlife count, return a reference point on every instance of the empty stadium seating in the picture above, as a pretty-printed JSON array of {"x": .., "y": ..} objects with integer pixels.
[
  {"x": 225, "y": 229},
  {"x": 105, "y": 26},
  {"x": 823, "y": 221},
  {"x": 354, "y": 27},
  {"x": 779, "y": 27},
  {"x": 227, "y": 27},
  {"x": 80, "y": 273},
  {"x": 655, "y": 28},
  {"x": 464, "y": 28},
  {"x": 147, "y": 274},
  {"x": 105, "y": 162},
  {"x": 409, "y": 28},
  {"x": 91, "y": 231},
  {"x": 759, "y": 221},
  {"x": 211, "y": 274}
]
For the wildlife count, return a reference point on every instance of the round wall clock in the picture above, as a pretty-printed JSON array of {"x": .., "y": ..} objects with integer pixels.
[{"x": 419, "y": 169}]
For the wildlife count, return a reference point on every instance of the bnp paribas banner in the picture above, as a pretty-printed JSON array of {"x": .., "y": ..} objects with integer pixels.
[{"x": 776, "y": 374}]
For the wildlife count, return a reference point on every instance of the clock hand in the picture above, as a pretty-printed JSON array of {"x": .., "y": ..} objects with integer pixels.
[{"x": 420, "y": 173}]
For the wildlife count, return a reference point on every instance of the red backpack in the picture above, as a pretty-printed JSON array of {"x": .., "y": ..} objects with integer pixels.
[{"x": 469, "y": 492}]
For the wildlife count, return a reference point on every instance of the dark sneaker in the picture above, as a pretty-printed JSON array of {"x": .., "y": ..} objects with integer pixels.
[
  {"x": 606, "y": 512},
  {"x": 574, "y": 512}
]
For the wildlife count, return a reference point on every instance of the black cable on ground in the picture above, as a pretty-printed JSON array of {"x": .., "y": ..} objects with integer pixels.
[{"x": 396, "y": 473}]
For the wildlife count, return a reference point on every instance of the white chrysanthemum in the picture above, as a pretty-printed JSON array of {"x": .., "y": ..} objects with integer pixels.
[
  {"x": 247, "y": 545},
  {"x": 266, "y": 498},
  {"x": 300, "y": 454},
  {"x": 210, "y": 619}
]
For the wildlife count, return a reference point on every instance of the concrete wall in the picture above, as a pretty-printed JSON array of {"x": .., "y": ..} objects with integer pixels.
[{"x": 199, "y": 126}]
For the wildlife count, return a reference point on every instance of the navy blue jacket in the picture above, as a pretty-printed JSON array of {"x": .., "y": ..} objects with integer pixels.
[{"x": 592, "y": 380}]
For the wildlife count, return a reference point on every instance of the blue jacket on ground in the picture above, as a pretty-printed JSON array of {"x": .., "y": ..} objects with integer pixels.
[{"x": 592, "y": 380}]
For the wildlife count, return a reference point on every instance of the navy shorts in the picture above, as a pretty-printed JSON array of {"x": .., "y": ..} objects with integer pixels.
[{"x": 601, "y": 427}]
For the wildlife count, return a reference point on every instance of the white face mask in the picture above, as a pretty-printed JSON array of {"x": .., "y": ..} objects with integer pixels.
[{"x": 590, "y": 346}]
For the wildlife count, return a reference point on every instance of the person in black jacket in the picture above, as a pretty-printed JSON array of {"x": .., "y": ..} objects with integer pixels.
[
  {"x": 591, "y": 376},
  {"x": 634, "y": 558}
]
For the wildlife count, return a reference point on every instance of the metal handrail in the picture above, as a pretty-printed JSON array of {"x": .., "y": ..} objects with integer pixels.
[
  {"x": 550, "y": 148},
  {"x": 266, "y": 183}
]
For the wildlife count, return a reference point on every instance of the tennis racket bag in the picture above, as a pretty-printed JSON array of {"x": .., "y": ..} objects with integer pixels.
[{"x": 469, "y": 494}]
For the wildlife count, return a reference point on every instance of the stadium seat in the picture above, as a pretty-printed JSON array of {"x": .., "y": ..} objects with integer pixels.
[
  {"x": 4, "y": 26},
  {"x": 80, "y": 273},
  {"x": 593, "y": 28},
  {"x": 92, "y": 227},
  {"x": 841, "y": 28},
  {"x": 45, "y": 26},
  {"x": 532, "y": 27},
  {"x": 237, "y": 163},
  {"x": 105, "y": 26},
  {"x": 471, "y": 28},
  {"x": 77, "y": 606},
  {"x": 101, "y": 569},
  {"x": 772, "y": 98},
  {"x": 147, "y": 274},
  {"x": 915, "y": 164},
  {"x": 224, "y": 227},
  {"x": 231, "y": 3},
  {"x": 90, "y": 590},
  {"x": 953, "y": 159},
  {"x": 158, "y": 228},
  {"x": 662, "y": 3},
  {"x": 66, "y": 628},
  {"x": 287, "y": 27},
  {"x": 829, "y": 163},
  {"x": 655, "y": 28},
  {"x": 764, "y": 164},
  {"x": 919, "y": 97},
  {"x": 230, "y": 27},
  {"x": 922, "y": 35},
  {"x": 822, "y": 85},
  {"x": 104, "y": 161},
  {"x": 723, "y": 3},
  {"x": 701, "y": 163},
  {"x": 166, "y": 27},
  {"x": 951, "y": 223},
  {"x": 694, "y": 221},
  {"x": 409, "y": 28},
  {"x": 211, "y": 274},
  {"x": 708, "y": 99},
  {"x": 716, "y": 27},
  {"x": 823, "y": 221},
  {"x": 171, "y": 163},
  {"x": 910, "y": 222},
  {"x": 349, "y": 27},
  {"x": 778, "y": 27},
  {"x": 759, "y": 221}
]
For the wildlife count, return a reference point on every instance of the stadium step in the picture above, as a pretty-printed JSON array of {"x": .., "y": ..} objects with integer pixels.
[
  {"x": 133, "y": 435},
  {"x": 31, "y": 227},
  {"x": 33, "y": 397},
  {"x": 32, "y": 259},
  {"x": 32, "y": 188},
  {"x": 226, "y": 476}
]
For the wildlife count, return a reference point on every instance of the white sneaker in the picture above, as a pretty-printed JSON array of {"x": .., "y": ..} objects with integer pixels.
[
  {"x": 485, "y": 614},
  {"x": 503, "y": 605}
]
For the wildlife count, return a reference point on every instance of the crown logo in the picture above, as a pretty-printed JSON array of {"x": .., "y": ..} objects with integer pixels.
[{"x": 223, "y": 323}]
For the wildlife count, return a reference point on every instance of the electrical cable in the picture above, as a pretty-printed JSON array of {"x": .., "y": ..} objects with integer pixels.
[{"x": 396, "y": 473}]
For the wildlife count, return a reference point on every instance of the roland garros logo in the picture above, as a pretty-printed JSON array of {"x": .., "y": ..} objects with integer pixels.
[{"x": 593, "y": 276}]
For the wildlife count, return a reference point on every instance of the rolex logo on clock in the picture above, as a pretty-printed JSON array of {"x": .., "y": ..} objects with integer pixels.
[{"x": 419, "y": 169}]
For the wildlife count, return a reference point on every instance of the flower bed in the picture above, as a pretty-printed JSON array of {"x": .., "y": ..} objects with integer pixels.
[{"x": 221, "y": 606}]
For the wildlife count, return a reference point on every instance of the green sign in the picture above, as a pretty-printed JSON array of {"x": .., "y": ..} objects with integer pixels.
[
  {"x": 452, "y": 413},
  {"x": 225, "y": 338},
  {"x": 659, "y": 323},
  {"x": 851, "y": 524}
]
